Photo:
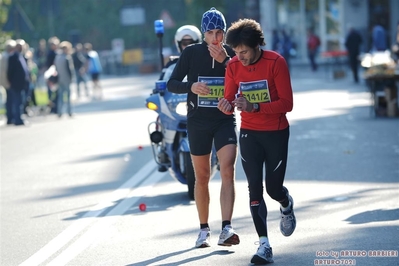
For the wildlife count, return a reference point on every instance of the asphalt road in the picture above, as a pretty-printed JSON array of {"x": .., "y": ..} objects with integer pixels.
[{"x": 71, "y": 187}]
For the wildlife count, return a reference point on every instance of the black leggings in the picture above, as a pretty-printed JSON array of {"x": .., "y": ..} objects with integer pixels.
[{"x": 269, "y": 148}]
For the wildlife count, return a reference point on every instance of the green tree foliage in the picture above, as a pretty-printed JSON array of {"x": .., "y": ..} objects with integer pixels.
[
  {"x": 98, "y": 21},
  {"x": 4, "y": 6}
]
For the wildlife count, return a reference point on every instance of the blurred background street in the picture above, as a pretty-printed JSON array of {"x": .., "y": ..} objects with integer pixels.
[{"x": 71, "y": 185}]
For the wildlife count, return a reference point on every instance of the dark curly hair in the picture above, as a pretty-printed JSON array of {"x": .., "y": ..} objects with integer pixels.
[{"x": 246, "y": 32}]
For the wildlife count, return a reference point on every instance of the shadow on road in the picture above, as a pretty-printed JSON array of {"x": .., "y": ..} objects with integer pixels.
[
  {"x": 379, "y": 215},
  {"x": 182, "y": 262}
]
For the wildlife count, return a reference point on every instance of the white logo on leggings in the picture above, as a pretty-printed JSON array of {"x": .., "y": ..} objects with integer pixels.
[
  {"x": 278, "y": 165},
  {"x": 244, "y": 135}
]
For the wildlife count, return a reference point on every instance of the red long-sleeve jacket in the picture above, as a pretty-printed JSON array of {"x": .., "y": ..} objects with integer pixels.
[{"x": 270, "y": 67}]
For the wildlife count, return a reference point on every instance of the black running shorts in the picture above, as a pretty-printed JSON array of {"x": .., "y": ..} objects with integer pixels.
[{"x": 203, "y": 132}]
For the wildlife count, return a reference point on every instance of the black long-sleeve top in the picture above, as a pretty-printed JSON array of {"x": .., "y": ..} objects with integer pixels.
[{"x": 196, "y": 61}]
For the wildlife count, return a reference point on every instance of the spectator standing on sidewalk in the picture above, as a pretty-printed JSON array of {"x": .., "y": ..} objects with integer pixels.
[
  {"x": 9, "y": 49},
  {"x": 353, "y": 42},
  {"x": 51, "y": 54},
  {"x": 264, "y": 131},
  {"x": 313, "y": 44},
  {"x": 94, "y": 68},
  {"x": 19, "y": 77},
  {"x": 79, "y": 62},
  {"x": 379, "y": 38},
  {"x": 275, "y": 40},
  {"x": 395, "y": 46},
  {"x": 286, "y": 46},
  {"x": 33, "y": 72},
  {"x": 206, "y": 125},
  {"x": 64, "y": 65},
  {"x": 40, "y": 60}
]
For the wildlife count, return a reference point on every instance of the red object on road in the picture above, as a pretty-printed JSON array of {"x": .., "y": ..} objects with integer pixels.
[{"x": 142, "y": 207}]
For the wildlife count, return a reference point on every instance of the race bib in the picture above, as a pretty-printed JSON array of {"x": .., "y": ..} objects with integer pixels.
[
  {"x": 216, "y": 84},
  {"x": 255, "y": 91}
]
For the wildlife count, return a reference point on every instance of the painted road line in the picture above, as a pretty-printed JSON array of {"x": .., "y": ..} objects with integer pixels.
[
  {"x": 68, "y": 234},
  {"x": 96, "y": 232}
]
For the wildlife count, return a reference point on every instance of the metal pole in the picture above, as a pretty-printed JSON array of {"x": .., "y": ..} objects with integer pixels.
[
  {"x": 161, "y": 52},
  {"x": 159, "y": 31}
]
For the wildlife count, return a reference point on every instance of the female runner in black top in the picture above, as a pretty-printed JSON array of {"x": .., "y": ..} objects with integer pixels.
[{"x": 204, "y": 66}]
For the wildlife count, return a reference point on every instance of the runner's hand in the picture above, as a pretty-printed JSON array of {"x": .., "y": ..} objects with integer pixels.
[
  {"x": 225, "y": 106},
  {"x": 200, "y": 88},
  {"x": 242, "y": 104},
  {"x": 217, "y": 52}
]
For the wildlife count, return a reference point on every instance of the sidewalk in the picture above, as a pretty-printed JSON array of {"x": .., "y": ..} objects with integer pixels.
[{"x": 301, "y": 74}]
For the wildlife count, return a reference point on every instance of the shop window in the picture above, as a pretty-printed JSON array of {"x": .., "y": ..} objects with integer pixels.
[
  {"x": 379, "y": 13},
  {"x": 312, "y": 15},
  {"x": 332, "y": 17},
  {"x": 288, "y": 16},
  {"x": 332, "y": 24}
]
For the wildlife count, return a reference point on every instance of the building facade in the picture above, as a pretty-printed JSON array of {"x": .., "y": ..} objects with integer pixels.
[{"x": 330, "y": 19}]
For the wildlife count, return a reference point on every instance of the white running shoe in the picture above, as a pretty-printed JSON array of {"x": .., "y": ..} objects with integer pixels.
[
  {"x": 204, "y": 238},
  {"x": 263, "y": 255},
  {"x": 228, "y": 237},
  {"x": 288, "y": 220}
]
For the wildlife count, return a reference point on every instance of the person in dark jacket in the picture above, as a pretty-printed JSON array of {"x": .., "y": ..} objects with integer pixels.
[
  {"x": 9, "y": 50},
  {"x": 395, "y": 46},
  {"x": 353, "y": 42},
  {"x": 79, "y": 61},
  {"x": 18, "y": 77},
  {"x": 51, "y": 54},
  {"x": 379, "y": 38},
  {"x": 313, "y": 44},
  {"x": 286, "y": 44}
]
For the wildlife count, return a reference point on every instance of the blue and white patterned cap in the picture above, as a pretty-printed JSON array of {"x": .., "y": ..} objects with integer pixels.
[{"x": 213, "y": 19}]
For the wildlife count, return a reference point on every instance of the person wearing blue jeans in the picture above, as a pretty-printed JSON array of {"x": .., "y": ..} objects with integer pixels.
[
  {"x": 18, "y": 76},
  {"x": 79, "y": 61},
  {"x": 16, "y": 106},
  {"x": 62, "y": 92}
]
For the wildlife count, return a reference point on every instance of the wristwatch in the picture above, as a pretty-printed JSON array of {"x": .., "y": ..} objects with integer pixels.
[{"x": 255, "y": 108}]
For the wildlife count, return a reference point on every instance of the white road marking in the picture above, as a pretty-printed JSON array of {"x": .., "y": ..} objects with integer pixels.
[
  {"x": 123, "y": 194},
  {"x": 96, "y": 231}
]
